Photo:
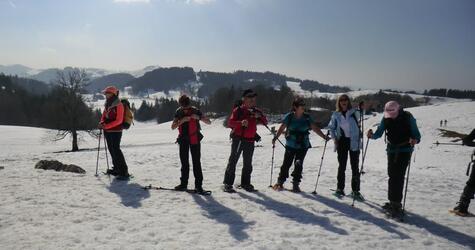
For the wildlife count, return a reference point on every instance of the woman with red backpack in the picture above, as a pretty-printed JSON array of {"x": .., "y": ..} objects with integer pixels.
[{"x": 112, "y": 124}]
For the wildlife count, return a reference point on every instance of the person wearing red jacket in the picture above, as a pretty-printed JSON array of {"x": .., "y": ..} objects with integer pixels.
[
  {"x": 111, "y": 123},
  {"x": 243, "y": 122}
]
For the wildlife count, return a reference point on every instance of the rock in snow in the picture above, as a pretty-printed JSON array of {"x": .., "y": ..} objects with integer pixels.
[{"x": 58, "y": 166}]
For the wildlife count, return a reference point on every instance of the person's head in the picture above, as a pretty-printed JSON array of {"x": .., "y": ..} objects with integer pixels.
[
  {"x": 184, "y": 101},
  {"x": 343, "y": 103},
  {"x": 298, "y": 106},
  {"x": 110, "y": 92},
  {"x": 391, "y": 109},
  {"x": 249, "y": 98}
]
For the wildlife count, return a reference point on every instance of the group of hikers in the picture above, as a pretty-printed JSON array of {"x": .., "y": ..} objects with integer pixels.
[{"x": 399, "y": 126}]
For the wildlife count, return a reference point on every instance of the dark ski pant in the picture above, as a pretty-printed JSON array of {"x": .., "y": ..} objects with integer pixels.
[
  {"x": 195, "y": 150},
  {"x": 469, "y": 189},
  {"x": 343, "y": 149},
  {"x": 113, "y": 144},
  {"x": 247, "y": 150},
  {"x": 297, "y": 157},
  {"x": 397, "y": 166}
]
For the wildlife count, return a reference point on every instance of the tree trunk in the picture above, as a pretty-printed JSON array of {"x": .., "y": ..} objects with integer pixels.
[{"x": 75, "y": 141}]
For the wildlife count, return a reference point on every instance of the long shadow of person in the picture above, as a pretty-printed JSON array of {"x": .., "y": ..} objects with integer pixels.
[
  {"x": 435, "y": 228},
  {"x": 131, "y": 194},
  {"x": 222, "y": 214},
  {"x": 356, "y": 214},
  {"x": 294, "y": 213}
]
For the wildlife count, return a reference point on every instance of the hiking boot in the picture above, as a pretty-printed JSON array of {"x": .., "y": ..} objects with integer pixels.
[
  {"x": 357, "y": 196},
  {"x": 112, "y": 172},
  {"x": 181, "y": 187},
  {"x": 248, "y": 188},
  {"x": 396, "y": 209},
  {"x": 199, "y": 189},
  {"x": 296, "y": 188},
  {"x": 278, "y": 187},
  {"x": 461, "y": 208},
  {"x": 123, "y": 177},
  {"x": 339, "y": 193},
  {"x": 386, "y": 206},
  {"x": 228, "y": 188}
]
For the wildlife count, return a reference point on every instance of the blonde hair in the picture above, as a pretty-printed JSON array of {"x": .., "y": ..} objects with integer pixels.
[{"x": 338, "y": 100}]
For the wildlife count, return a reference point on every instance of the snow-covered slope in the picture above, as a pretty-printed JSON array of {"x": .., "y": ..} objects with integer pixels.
[
  {"x": 295, "y": 87},
  {"x": 52, "y": 210}
]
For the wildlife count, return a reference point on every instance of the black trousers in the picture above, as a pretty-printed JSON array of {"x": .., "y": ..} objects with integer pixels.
[
  {"x": 113, "y": 144},
  {"x": 469, "y": 189},
  {"x": 397, "y": 166},
  {"x": 343, "y": 149},
  {"x": 296, "y": 156},
  {"x": 195, "y": 150},
  {"x": 247, "y": 150}
]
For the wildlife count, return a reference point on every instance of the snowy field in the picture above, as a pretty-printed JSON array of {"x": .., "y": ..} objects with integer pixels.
[{"x": 54, "y": 210}]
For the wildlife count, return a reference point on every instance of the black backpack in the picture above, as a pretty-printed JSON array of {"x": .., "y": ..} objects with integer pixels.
[
  {"x": 299, "y": 135},
  {"x": 398, "y": 131}
]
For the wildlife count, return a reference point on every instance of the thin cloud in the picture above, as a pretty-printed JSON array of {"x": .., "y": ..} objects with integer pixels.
[
  {"x": 200, "y": 1},
  {"x": 131, "y": 1},
  {"x": 12, "y": 4},
  {"x": 185, "y": 1}
]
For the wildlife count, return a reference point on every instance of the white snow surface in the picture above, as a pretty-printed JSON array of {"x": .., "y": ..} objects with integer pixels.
[{"x": 58, "y": 210}]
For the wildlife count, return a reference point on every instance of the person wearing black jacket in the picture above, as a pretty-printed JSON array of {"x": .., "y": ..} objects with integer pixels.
[
  {"x": 187, "y": 120},
  {"x": 469, "y": 190}
]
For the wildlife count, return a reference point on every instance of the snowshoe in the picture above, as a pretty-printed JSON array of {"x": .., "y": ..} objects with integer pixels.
[
  {"x": 357, "y": 196},
  {"x": 395, "y": 211},
  {"x": 339, "y": 193},
  {"x": 181, "y": 187},
  {"x": 461, "y": 214},
  {"x": 296, "y": 188},
  {"x": 278, "y": 187},
  {"x": 124, "y": 177},
  {"x": 386, "y": 206},
  {"x": 248, "y": 188},
  {"x": 201, "y": 191},
  {"x": 228, "y": 188},
  {"x": 111, "y": 172},
  {"x": 461, "y": 210}
]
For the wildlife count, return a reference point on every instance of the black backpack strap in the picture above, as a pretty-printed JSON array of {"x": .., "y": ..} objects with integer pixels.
[{"x": 356, "y": 120}]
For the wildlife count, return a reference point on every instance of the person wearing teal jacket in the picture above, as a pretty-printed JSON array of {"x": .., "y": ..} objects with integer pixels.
[
  {"x": 402, "y": 135},
  {"x": 298, "y": 124}
]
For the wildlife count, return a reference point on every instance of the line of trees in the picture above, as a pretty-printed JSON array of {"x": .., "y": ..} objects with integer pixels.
[
  {"x": 452, "y": 93},
  {"x": 62, "y": 109}
]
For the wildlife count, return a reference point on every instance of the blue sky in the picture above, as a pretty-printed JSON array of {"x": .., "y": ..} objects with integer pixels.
[{"x": 405, "y": 44}]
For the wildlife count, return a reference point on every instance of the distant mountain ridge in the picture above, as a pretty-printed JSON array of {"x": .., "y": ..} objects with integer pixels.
[{"x": 156, "y": 79}]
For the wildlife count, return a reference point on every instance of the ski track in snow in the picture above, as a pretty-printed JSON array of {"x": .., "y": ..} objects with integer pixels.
[{"x": 54, "y": 210}]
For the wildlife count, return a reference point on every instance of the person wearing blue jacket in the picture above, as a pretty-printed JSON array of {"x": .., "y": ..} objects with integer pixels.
[
  {"x": 297, "y": 125},
  {"x": 402, "y": 135},
  {"x": 346, "y": 134}
]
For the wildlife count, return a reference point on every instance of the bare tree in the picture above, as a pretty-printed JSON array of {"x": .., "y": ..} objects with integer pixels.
[{"x": 73, "y": 115}]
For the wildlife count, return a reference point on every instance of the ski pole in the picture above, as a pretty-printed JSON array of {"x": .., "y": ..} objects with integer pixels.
[
  {"x": 405, "y": 192},
  {"x": 265, "y": 125},
  {"x": 362, "y": 169},
  {"x": 364, "y": 157},
  {"x": 471, "y": 164},
  {"x": 98, "y": 150},
  {"x": 446, "y": 143},
  {"x": 272, "y": 165},
  {"x": 321, "y": 164},
  {"x": 361, "y": 106},
  {"x": 105, "y": 149}
]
